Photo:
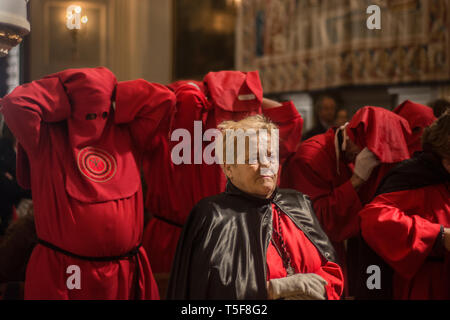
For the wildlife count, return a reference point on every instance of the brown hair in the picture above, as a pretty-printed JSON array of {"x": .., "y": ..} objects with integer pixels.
[
  {"x": 436, "y": 138},
  {"x": 439, "y": 107}
]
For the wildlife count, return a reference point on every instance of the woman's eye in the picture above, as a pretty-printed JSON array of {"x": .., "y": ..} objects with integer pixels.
[
  {"x": 105, "y": 115},
  {"x": 91, "y": 116}
]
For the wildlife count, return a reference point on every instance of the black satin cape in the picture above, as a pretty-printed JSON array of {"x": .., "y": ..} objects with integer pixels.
[
  {"x": 221, "y": 254},
  {"x": 425, "y": 169}
]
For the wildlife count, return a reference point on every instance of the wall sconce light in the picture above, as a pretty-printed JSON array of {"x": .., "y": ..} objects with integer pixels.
[
  {"x": 13, "y": 24},
  {"x": 74, "y": 20}
]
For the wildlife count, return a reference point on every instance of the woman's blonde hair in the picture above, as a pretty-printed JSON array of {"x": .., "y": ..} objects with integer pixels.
[{"x": 246, "y": 125}]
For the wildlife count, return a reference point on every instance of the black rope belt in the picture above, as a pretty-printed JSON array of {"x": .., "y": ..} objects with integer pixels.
[
  {"x": 129, "y": 254},
  {"x": 175, "y": 224},
  {"x": 134, "y": 253}
]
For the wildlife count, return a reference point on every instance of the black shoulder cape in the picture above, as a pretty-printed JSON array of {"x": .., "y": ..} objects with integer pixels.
[
  {"x": 221, "y": 254},
  {"x": 425, "y": 169}
]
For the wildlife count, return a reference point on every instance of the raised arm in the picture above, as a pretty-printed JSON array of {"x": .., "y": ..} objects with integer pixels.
[
  {"x": 146, "y": 107},
  {"x": 289, "y": 122},
  {"x": 31, "y": 105},
  {"x": 336, "y": 207}
]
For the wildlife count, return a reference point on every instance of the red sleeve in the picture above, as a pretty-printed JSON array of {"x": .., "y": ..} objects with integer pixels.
[
  {"x": 391, "y": 226},
  {"x": 32, "y": 104},
  {"x": 332, "y": 274},
  {"x": 290, "y": 124},
  {"x": 336, "y": 207},
  {"x": 191, "y": 106},
  {"x": 146, "y": 107}
]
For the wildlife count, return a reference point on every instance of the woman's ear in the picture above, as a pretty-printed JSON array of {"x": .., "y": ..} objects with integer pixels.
[{"x": 227, "y": 170}]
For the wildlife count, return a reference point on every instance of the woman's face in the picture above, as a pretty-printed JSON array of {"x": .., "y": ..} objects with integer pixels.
[
  {"x": 258, "y": 179},
  {"x": 341, "y": 118}
]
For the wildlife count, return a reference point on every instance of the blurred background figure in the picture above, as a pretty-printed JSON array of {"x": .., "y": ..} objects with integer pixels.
[
  {"x": 15, "y": 204},
  {"x": 325, "y": 114},
  {"x": 11, "y": 193},
  {"x": 341, "y": 117}
]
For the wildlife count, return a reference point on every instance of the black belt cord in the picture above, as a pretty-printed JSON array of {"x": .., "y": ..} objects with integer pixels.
[{"x": 134, "y": 253}]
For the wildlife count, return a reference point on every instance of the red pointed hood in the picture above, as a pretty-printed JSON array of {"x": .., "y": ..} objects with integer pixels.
[
  {"x": 382, "y": 132},
  {"x": 195, "y": 84},
  {"x": 419, "y": 117},
  {"x": 90, "y": 92},
  {"x": 235, "y": 91}
]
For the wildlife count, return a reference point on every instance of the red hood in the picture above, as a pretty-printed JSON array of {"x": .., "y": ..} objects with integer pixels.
[
  {"x": 382, "y": 132},
  {"x": 235, "y": 90},
  {"x": 89, "y": 91},
  {"x": 196, "y": 84},
  {"x": 419, "y": 117},
  {"x": 416, "y": 114}
]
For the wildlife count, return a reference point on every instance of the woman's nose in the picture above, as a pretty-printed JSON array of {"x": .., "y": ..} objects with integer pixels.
[{"x": 264, "y": 164}]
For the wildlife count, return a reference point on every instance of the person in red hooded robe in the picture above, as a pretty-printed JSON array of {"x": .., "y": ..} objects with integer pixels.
[
  {"x": 82, "y": 136},
  {"x": 419, "y": 117},
  {"x": 340, "y": 171},
  {"x": 407, "y": 224},
  {"x": 174, "y": 188}
]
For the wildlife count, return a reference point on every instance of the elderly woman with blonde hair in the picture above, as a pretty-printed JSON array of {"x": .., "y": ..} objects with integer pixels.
[{"x": 254, "y": 241}]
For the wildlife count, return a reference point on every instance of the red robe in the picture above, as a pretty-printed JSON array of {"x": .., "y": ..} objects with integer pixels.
[
  {"x": 173, "y": 190},
  {"x": 84, "y": 172},
  {"x": 312, "y": 171},
  {"x": 402, "y": 227},
  {"x": 305, "y": 258},
  {"x": 419, "y": 117}
]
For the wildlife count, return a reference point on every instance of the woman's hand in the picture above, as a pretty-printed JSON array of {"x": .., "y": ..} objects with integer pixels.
[
  {"x": 301, "y": 286},
  {"x": 269, "y": 291}
]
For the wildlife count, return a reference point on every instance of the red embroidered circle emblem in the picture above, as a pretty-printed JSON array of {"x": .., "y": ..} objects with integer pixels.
[{"x": 96, "y": 164}]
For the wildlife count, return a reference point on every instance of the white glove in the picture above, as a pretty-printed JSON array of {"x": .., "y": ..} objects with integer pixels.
[
  {"x": 301, "y": 286},
  {"x": 365, "y": 162}
]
